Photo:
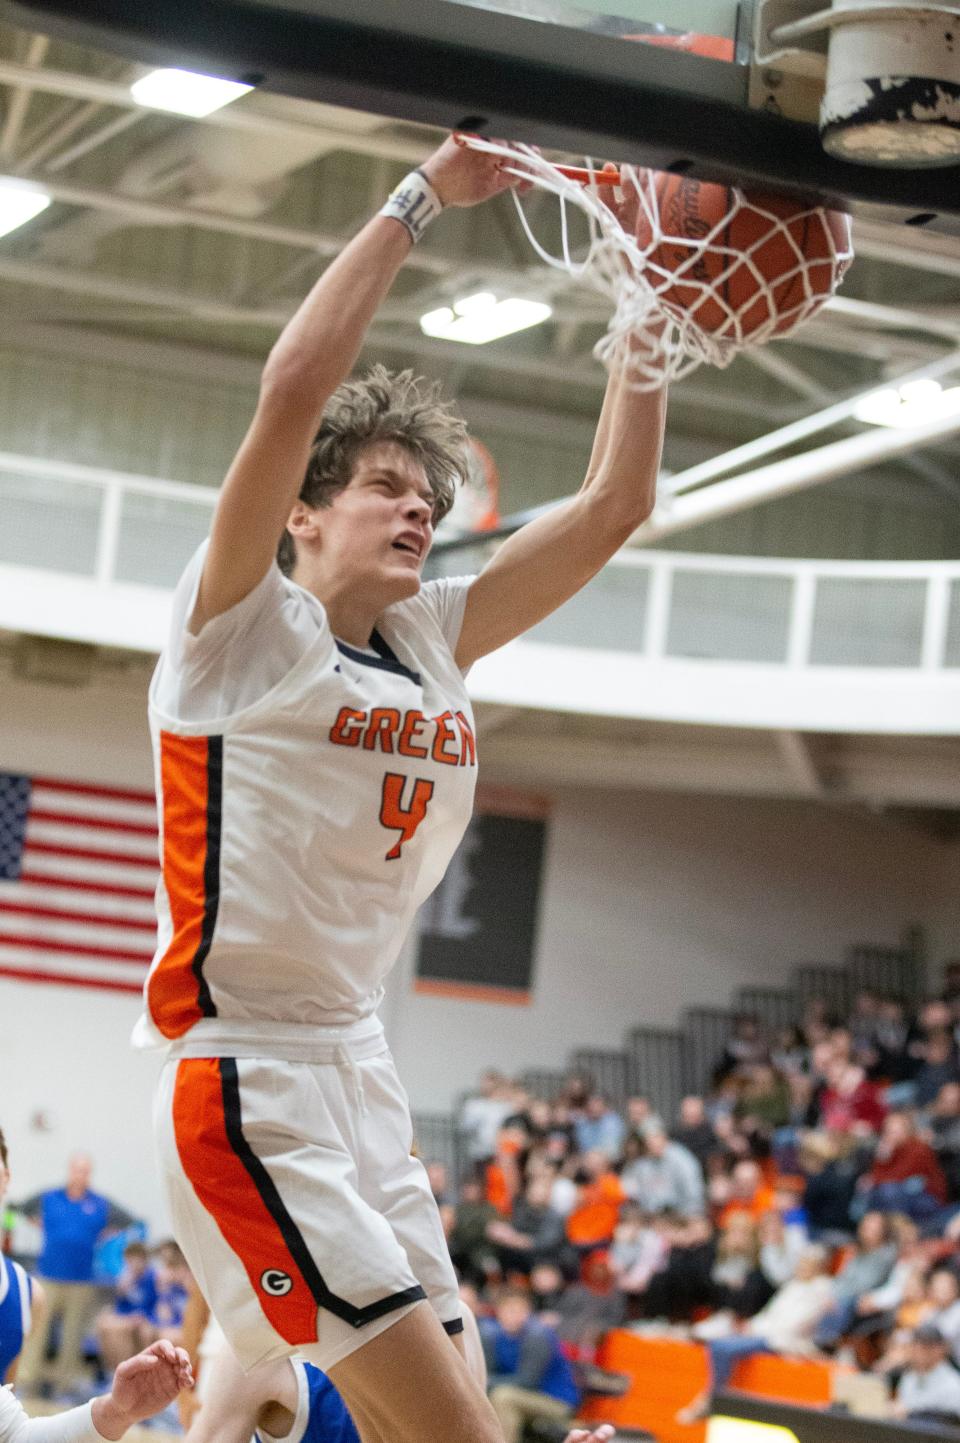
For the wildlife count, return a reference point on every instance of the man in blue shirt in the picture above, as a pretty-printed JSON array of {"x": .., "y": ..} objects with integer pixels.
[
  {"x": 529, "y": 1375},
  {"x": 73, "y": 1219}
]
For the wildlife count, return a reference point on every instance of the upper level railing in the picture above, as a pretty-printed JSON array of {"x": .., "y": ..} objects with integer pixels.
[{"x": 93, "y": 555}]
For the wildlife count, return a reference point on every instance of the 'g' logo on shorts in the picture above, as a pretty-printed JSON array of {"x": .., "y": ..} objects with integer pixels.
[{"x": 276, "y": 1283}]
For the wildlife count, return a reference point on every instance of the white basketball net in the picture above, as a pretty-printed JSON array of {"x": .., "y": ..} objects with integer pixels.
[{"x": 651, "y": 337}]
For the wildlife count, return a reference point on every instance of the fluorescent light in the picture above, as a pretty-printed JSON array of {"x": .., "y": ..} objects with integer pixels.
[
  {"x": 20, "y": 201},
  {"x": 185, "y": 93},
  {"x": 911, "y": 404},
  {"x": 480, "y": 318}
]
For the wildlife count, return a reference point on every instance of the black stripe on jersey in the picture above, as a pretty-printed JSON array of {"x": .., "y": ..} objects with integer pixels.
[
  {"x": 454, "y": 1327},
  {"x": 211, "y": 871},
  {"x": 385, "y": 660},
  {"x": 292, "y": 1237}
]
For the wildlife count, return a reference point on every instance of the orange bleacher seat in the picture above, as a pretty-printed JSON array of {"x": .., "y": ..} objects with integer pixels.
[{"x": 667, "y": 1374}]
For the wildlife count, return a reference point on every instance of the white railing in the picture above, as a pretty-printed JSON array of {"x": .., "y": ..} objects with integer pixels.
[{"x": 91, "y": 554}]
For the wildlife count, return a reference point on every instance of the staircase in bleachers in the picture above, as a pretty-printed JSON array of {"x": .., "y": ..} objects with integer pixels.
[{"x": 663, "y": 1064}]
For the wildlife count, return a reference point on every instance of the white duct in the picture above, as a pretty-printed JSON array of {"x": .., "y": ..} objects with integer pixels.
[{"x": 795, "y": 473}]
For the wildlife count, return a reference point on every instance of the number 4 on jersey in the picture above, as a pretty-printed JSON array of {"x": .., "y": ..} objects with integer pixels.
[{"x": 398, "y": 818}]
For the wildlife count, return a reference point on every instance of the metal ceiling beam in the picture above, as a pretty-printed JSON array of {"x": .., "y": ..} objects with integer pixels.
[
  {"x": 151, "y": 212},
  {"x": 920, "y": 250},
  {"x": 796, "y": 431},
  {"x": 19, "y": 101},
  {"x": 231, "y": 117},
  {"x": 675, "y": 513}
]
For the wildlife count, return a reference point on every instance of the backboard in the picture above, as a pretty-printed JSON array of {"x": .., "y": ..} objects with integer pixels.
[{"x": 605, "y": 78}]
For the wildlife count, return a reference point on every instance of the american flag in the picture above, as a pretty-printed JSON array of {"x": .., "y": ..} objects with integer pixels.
[{"x": 78, "y": 869}]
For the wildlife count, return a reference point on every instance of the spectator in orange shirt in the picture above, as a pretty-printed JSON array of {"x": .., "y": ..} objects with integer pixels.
[
  {"x": 745, "y": 1191},
  {"x": 596, "y": 1211}
]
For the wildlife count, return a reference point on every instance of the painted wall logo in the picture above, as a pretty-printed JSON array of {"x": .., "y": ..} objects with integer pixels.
[{"x": 276, "y": 1283}]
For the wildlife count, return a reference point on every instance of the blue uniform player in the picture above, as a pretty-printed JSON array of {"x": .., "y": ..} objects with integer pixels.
[
  {"x": 16, "y": 1300},
  {"x": 20, "y": 1297},
  {"x": 288, "y": 1401}
]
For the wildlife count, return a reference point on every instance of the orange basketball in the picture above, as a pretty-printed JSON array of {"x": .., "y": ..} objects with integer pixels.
[{"x": 772, "y": 263}]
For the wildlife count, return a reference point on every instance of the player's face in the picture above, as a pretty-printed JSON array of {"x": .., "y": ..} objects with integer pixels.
[{"x": 380, "y": 527}]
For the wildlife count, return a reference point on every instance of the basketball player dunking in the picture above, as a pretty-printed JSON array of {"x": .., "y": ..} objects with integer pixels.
[{"x": 315, "y": 765}]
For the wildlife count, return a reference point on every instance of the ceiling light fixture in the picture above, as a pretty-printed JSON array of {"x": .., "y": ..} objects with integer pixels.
[
  {"x": 911, "y": 404},
  {"x": 183, "y": 92},
  {"x": 480, "y": 318},
  {"x": 20, "y": 201}
]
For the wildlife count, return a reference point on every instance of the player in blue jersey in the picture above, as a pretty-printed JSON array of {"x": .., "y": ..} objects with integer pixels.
[
  {"x": 20, "y": 1297},
  {"x": 288, "y": 1401}
]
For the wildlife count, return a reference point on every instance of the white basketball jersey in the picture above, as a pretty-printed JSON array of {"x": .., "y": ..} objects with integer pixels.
[{"x": 306, "y": 815}]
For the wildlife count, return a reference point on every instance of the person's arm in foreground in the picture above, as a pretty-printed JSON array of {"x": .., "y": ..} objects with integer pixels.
[
  {"x": 315, "y": 352},
  {"x": 142, "y": 1386}
]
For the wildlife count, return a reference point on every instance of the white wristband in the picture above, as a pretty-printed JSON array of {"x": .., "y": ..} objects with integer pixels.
[{"x": 414, "y": 203}]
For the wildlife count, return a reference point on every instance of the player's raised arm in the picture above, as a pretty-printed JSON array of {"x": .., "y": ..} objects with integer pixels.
[
  {"x": 550, "y": 559},
  {"x": 314, "y": 353}
]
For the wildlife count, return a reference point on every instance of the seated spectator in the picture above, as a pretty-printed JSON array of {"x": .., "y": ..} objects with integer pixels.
[
  {"x": 665, "y": 1177},
  {"x": 173, "y": 1291},
  {"x": 943, "y": 1131},
  {"x": 694, "y": 1131},
  {"x": 596, "y": 1212},
  {"x": 938, "y": 1067},
  {"x": 739, "y": 1286},
  {"x": 599, "y": 1128},
  {"x": 683, "y": 1285},
  {"x": 582, "y": 1312},
  {"x": 126, "y": 1326},
  {"x": 502, "y": 1176},
  {"x": 830, "y": 1169},
  {"x": 764, "y": 1097},
  {"x": 640, "y": 1115},
  {"x": 639, "y": 1249},
  {"x": 869, "y": 1266},
  {"x": 781, "y": 1245},
  {"x": 744, "y": 1191},
  {"x": 905, "y": 1176},
  {"x": 929, "y": 1387},
  {"x": 849, "y": 1103},
  {"x": 470, "y": 1251},
  {"x": 744, "y": 1049},
  {"x": 534, "y": 1234},
  {"x": 784, "y": 1325},
  {"x": 482, "y": 1115},
  {"x": 789, "y": 1052},
  {"x": 892, "y": 1034},
  {"x": 529, "y": 1378}
]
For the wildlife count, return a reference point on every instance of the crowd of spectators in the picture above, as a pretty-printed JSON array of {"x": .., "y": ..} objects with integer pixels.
[{"x": 807, "y": 1204}]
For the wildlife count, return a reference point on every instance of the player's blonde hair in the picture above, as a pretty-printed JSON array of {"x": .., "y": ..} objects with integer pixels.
[{"x": 383, "y": 406}]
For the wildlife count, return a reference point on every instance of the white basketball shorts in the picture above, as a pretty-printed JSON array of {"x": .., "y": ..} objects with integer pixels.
[{"x": 307, "y": 1223}]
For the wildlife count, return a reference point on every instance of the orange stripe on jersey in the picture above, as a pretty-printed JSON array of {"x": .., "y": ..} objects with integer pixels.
[
  {"x": 239, "y": 1194},
  {"x": 191, "y": 779}
]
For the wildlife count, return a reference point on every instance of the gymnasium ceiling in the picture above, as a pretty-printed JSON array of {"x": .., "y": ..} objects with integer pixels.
[
  {"x": 202, "y": 237},
  {"x": 188, "y": 244}
]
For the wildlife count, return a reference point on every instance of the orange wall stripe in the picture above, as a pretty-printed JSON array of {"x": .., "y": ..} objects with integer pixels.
[
  {"x": 175, "y": 990},
  {"x": 230, "y": 1196},
  {"x": 472, "y": 992}
]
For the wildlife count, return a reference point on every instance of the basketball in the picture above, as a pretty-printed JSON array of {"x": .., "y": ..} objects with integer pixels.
[{"x": 771, "y": 262}]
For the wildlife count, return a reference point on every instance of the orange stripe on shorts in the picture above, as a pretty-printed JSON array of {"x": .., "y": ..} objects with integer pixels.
[
  {"x": 206, "y": 1090},
  {"x": 191, "y": 771}
]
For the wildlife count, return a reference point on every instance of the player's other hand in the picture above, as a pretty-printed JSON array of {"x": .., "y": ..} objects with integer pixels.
[
  {"x": 463, "y": 176},
  {"x": 583, "y": 1435},
  {"x": 142, "y": 1386}
]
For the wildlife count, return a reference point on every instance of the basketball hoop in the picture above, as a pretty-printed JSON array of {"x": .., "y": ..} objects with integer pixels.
[{"x": 696, "y": 273}]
